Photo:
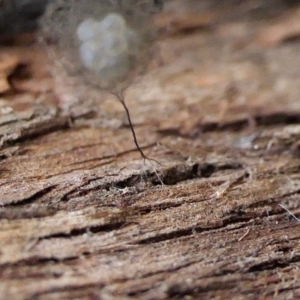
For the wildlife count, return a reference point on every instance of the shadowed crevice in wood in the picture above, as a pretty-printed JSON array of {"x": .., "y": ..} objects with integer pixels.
[
  {"x": 87, "y": 230},
  {"x": 16, "y": 212},
  {"x": 179, "y": 173},
  {"x": 268, "y": 119},
  {"x": 34, "y": 129},
  {"x": 169, "y": 176},
  {"x": 34, "y": 197},
  {"x": 274, "y": 264},
  {"x": 35, "y": 261}
]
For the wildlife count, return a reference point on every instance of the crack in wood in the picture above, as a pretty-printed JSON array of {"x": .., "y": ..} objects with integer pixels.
[
  {"x": 14, "y": 213},
  {"x": 169, "y": 176},
  {"x": 113, "y": 225},
  {"x": 34, "y": 129},
  {"x": 270, "y": 264},
  {"x": 268, "y": 119},
  {"x": 34, "y": 261},
  {"x": 32, "y": 198}
]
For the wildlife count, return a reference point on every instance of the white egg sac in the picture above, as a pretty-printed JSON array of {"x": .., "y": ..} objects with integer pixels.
[{"x": 107, "y": 46}]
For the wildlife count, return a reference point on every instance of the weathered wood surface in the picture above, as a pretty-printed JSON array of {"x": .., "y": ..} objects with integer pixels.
[{"x": 83, "y": 217}]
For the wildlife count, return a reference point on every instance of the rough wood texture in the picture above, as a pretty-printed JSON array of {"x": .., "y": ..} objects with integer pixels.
[{"x": 83, "y": 217}]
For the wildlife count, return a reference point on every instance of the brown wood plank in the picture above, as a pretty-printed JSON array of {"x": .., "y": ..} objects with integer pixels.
[{"x": 82, "y": 216}]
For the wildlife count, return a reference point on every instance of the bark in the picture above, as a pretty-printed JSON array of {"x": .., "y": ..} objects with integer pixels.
[{"x": 82, "y": 216}]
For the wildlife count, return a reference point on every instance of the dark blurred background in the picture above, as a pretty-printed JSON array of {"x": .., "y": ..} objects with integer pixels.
[{"x": 19, "y": 16}]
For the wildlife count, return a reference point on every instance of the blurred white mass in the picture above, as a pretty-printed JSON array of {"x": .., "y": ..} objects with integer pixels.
[{"x": 107, "y": 47}]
